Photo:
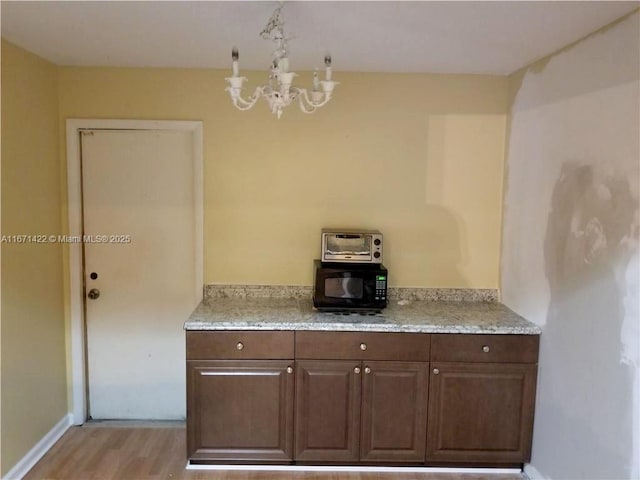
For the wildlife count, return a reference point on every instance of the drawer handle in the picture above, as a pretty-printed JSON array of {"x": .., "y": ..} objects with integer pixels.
[
  {"x": 363, "y": 346},
  {"x": 240, "y": 346},
  {"x": 436, "y": 371},
  {"x": 289, "y": 369},
  {"x": 356, "y": 370},
  {"x": 367, "y": 370},
  {"x": 486, "y": 349}
]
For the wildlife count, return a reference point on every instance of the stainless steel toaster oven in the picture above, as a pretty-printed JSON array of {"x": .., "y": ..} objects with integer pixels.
[{"x": 340, "y": 245}]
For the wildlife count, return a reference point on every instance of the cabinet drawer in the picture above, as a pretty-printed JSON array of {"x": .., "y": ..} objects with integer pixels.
[
  {"x": 363, "y": 346},
  {"x": 484, "y": 348},
  {"x": 239, "y": 345}
]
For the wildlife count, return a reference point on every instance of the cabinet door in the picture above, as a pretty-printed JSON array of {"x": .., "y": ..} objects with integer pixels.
[
  {"x": 240, "y": 410},
  {"x": 327, "y": 410},
  {"x": 480, "y": 413},
  {"x": 394, "y": 412}
]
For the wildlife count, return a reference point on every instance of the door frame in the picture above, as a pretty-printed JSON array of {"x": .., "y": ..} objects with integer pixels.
[{"x": 75, "y": 292}]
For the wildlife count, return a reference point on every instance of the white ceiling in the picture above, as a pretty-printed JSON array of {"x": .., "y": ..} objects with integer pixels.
[{"x": 382, "y": 36}]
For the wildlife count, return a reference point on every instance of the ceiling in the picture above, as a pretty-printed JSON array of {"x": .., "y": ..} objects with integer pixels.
[{"x": 384, "y": 36}]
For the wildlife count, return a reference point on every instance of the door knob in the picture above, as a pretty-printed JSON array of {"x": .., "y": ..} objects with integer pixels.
[{"x": 93, "y": 293}]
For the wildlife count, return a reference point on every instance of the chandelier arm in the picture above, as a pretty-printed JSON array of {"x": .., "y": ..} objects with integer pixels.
[
  {"x": 309, "y": 105},
  {"x": 306, "y": 108},
  {"x": 242, "y": 104}
]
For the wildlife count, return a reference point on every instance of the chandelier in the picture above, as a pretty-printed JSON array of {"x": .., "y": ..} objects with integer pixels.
[{"x": 279, "y": 91}]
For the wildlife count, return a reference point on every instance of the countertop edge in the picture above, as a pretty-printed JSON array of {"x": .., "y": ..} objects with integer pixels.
[{"x": 362, "y": 327}]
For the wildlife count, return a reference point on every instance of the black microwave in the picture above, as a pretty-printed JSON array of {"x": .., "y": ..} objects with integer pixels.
[{"x": 343, "y": 287}]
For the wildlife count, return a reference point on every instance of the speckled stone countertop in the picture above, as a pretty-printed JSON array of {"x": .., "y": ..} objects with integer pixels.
[{"x": 409, "y": 316}]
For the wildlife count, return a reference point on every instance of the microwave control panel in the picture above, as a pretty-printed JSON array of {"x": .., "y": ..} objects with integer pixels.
[{"x": 381, "y": 287}]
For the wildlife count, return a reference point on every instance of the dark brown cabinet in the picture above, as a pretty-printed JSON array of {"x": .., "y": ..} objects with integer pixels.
[
  {"x": 394, "y": 412},
  {"x": 372, "y": 408},
  {"x": 360, "y": 398},
  {"x": 481, "y": 399},
  {"x": 239, "y": 411},
  {"x": 327, "y": 426},
  {"x": 243, "y": 411}
]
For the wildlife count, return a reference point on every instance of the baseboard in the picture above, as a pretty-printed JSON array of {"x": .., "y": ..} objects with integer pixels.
[
  {"x": 532, "y": 472},
  {"x": 27, "y": 462},
  {"x": 362, "y": 469}
]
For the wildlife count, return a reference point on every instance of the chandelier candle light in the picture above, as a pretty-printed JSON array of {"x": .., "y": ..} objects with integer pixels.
[{"x": 279, "y": 91}]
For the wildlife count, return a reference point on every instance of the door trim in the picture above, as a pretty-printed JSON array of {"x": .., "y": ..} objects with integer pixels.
[{"x": 75, "y": 290}]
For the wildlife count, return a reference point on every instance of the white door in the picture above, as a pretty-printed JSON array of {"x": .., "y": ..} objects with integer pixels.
[{"x": 140, "y": 257}]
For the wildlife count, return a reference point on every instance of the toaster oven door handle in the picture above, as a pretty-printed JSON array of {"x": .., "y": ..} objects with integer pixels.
[{"x": 348, "y": 235}]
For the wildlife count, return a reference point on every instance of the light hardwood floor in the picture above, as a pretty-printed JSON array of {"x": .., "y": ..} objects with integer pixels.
[{"x": 109, "y": 452}]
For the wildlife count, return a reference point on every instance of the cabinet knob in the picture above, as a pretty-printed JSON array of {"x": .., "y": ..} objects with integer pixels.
[
  {"x": 363, "y": 346},
  {"x": 436, "y": 371},
  {"x": 486, "y": 349},
  {"x": 289, "y": 369},
  {"x": 367, "y": 370},
  {"x": 356, "y": 370},
  {"x": 240, "y": 346}
]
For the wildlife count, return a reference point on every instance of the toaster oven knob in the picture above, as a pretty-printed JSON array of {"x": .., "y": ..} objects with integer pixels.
[
  {"x": 376, "y": 254},
  {"x": 376, "y": 241}
]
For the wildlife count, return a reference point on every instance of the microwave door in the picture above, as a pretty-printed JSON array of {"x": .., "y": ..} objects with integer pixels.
[{"x": 344, "y": 287}]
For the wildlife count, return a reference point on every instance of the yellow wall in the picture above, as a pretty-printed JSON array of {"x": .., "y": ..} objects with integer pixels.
[
  {"x": 419, "y": 157},
  {"x": 34, "y": 396}
]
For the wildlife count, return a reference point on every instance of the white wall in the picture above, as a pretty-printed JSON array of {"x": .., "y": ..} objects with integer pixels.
[{"x": 570, "y": 249}]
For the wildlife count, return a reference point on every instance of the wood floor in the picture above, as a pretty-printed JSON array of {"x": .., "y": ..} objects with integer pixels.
[{"x": 158, "y": 452}]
